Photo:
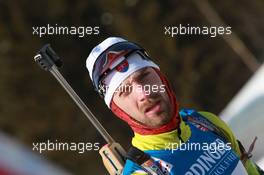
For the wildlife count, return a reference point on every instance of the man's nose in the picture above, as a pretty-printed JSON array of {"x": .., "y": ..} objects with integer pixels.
[{"x": 141, "y": 94}]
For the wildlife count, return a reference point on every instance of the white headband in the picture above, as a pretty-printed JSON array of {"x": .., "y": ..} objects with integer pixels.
[{"x": 115, "y": 78}]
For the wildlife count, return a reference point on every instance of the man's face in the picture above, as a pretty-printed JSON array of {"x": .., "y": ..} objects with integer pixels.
[{"x": 143, "y": 96}]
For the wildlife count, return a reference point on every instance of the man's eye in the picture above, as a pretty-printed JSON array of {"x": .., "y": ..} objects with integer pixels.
[
  {"x": 125, "y": 91},
  {"x": 123, "y": 94},
  {"x": 120, "y": 93}
]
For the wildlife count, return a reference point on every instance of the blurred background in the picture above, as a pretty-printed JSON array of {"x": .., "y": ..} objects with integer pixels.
[{"x": 206, "y": 72}]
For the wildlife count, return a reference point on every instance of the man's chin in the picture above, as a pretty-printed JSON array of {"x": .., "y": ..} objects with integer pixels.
[{"x": 158, "y": 121}]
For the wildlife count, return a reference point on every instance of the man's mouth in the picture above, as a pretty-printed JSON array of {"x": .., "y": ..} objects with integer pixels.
[{"x": 156, "y": 107}]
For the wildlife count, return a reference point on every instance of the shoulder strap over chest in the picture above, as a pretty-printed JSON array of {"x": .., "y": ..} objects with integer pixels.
[{"x": 144, "y": 161}]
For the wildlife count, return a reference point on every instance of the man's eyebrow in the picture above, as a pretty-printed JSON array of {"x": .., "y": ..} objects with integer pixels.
[
  {"x": 136, "y": 76},
  {"x": 140, "y": 74}
]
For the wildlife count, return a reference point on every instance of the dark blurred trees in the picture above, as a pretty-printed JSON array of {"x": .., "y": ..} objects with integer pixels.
[{"x": 204, "y": 71}]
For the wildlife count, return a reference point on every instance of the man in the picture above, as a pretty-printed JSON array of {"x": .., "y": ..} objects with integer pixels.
[{"x": 176, "y": 142}]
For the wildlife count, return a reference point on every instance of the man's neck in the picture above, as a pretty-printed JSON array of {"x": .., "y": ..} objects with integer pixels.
[{"x": 162, "y": 140}]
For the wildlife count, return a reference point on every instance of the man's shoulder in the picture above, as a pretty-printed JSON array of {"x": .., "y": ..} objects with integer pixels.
[
  {"x": 217, "y": 122},
  {"x": 212, "y": 118}
]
